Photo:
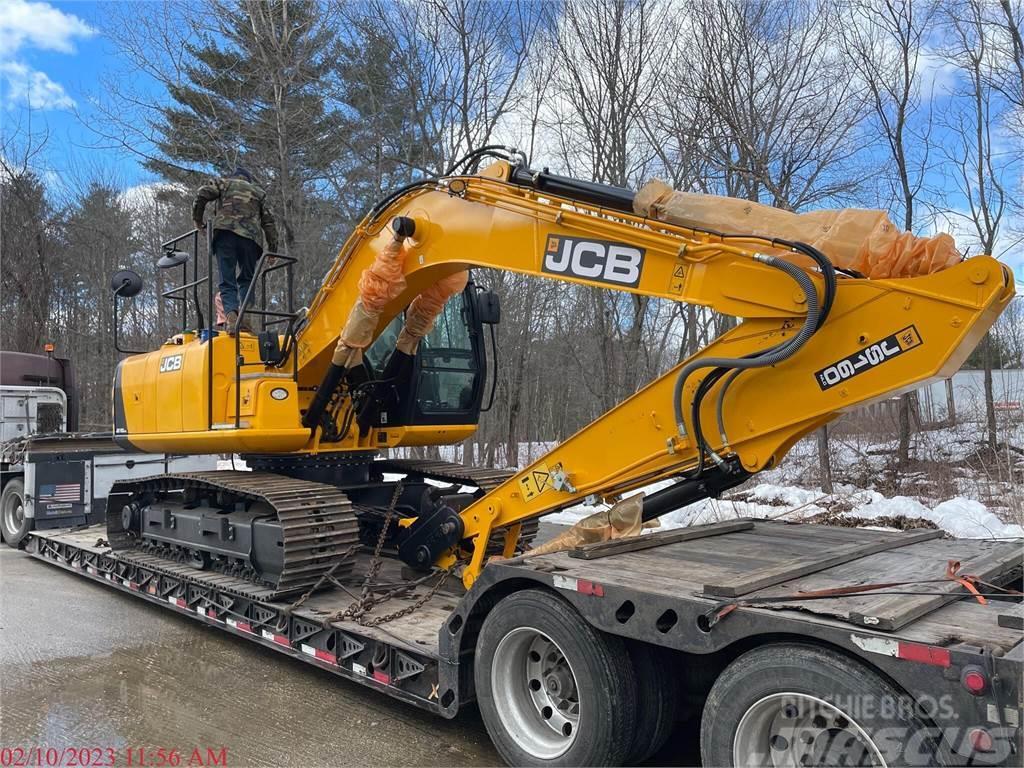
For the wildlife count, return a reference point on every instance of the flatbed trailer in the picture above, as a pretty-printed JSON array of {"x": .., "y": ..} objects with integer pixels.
[{"x": 722, "y": 627}]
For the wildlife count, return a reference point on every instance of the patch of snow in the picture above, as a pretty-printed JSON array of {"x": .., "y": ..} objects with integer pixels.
[
  {"x": 967, "y": 518},
  {"x": 234, "y": 463},
  {"x": 960, "y": 517}
]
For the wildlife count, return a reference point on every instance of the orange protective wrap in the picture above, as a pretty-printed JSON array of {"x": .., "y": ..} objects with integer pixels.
[
  {"x": 384, "y": 279},
  {"x": 380, "y": 283},
  {"x": 623, "y": 520},
  {"x": 420, "y": 317},
  {"x": 853, "y": 238},
  {"x": 888, "y": 252}
]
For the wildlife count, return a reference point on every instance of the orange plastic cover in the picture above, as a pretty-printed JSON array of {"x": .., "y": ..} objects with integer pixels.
[
  {"x": 381, "y": 282},
  {"x": 853, "y": 238},
  {"x": 620, "y": 522}
]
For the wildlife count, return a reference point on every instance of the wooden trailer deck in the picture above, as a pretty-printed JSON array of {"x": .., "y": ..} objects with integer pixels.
[
  {"x": 720, "y": 563},
  {"x": 733, "y": 562}
]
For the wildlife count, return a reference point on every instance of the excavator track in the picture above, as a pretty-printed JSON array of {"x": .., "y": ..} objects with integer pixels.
[
  {"x": 318, "y": 527},
  {"x": 484, "y": 478}
]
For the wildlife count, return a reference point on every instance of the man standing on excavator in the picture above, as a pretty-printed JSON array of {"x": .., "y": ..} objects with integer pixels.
[{"x": 241, "y": 220}]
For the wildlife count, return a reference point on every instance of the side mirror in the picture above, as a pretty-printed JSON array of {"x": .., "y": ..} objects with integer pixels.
[
  {"x": 125, "y": 283},
  {"x": 172, "y": 259},
  {"x": 488, "y": 307}
]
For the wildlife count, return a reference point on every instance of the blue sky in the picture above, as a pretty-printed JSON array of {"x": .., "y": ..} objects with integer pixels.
[{"x": 52, "y": 57}]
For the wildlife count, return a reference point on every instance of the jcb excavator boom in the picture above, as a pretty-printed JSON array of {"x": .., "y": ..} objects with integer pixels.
[{"x": 811, "y": 343}]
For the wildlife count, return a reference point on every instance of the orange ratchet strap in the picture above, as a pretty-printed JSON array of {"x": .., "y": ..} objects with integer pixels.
[{"x": 970, "y": 583}]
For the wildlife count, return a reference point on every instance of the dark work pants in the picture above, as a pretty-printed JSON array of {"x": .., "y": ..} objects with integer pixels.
[{"x": 237, "y": 256}]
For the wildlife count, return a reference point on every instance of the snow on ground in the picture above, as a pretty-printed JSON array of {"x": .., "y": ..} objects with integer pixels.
[
  {"x": 948, "y": 486},
  {"x": 963, "y": 518}
]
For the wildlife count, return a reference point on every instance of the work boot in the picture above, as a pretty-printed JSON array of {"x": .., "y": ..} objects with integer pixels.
[{"x": 230, "y": 321}]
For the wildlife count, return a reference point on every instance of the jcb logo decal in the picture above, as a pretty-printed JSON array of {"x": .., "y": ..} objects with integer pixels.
[
  {"x": 600, "y": 260},
  {"x": 870, "y": 357},
  {"x": 171, "y": 363}
]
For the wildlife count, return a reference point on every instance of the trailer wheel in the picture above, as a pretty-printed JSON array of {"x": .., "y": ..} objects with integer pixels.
[
  {"x": 657, "y": 686},
  {"x": 552, "y": 690},
  {"x": 796, "y": 705},
  {"x": 12, "y": 513}
]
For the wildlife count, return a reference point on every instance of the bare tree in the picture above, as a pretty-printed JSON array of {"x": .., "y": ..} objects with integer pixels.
[
  {"x": 782, "y": 103},
  {"x": 885, "y": 41},
  {"x": 974, "y": 156}
]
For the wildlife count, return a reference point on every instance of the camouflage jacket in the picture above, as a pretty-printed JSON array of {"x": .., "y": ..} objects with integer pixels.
[{"x": 241, "y": 208}]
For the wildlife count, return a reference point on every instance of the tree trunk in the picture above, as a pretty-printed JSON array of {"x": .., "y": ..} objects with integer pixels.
[
  {"x": 990, "y": 405},
  {"x": 950, "y": 403},
  {"x": 903, "y": 417},
  {"x": 824, "y": 460}
]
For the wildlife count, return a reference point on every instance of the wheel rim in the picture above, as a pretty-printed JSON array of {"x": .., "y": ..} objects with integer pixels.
[
  {"x": 535, "y": 693},
  {"x": 795, "y": 730},
  {"x": 14, "y": 514}
]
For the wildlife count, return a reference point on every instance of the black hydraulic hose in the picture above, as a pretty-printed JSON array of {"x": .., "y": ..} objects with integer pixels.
[
  {"x": 472, "y": 154},
  {"x": 500, "y": 151},
  {"x": 772, "y": 356},
  {"x": 382, "y": 204},
  {"x": 829, "y": 273},
  {"x": 492, "y": 150},
  {"x": 702, "y": 448}
]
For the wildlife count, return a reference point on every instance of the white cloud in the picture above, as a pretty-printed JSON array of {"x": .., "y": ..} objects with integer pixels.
[
  {"x": 938, "y": 76},
  {"x": 32, "y": 88},
  {"x": 141, "y": 196},
  {"x": 27, "y": 24},
  {"x": 38, "y": 25}
]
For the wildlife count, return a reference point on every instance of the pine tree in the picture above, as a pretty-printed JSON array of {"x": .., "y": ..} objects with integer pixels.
[
  {"x": 382, "y": 146},
  {"x": 254, "y": 96},
  {"x": 98, "y": 233}
]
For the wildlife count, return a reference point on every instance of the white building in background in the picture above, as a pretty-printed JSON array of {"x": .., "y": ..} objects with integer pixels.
[{"x": 969, "y": 396}]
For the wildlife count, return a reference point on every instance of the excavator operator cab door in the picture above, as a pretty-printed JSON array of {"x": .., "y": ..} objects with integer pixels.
[{"x": 446, "y": 383}]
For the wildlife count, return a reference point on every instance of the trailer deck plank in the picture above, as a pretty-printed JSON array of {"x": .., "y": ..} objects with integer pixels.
[
  {"x": 682, "y": 568},
  {"x": 635, "y": 543},
  {"x": 923, "y": 564},
  {"x": 966, "y": 622},
  {"x": 785, "y": 571}
]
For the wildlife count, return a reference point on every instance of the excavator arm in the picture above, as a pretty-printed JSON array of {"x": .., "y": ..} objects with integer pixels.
[{"x": 810, "y": 345}]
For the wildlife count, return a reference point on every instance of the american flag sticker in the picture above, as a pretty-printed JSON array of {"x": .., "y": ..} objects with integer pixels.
[{"x": 61, "y": 492}]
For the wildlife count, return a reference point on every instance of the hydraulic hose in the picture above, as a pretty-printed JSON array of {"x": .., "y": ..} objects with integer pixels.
[{"x": 772, "y": 356}]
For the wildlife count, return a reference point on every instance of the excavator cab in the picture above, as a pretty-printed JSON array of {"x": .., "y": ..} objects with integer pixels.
[{"x": 446, "y": 379}]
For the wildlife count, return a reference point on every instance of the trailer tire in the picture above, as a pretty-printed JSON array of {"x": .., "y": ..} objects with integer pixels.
[
  {"x": 583, "y": 711},
  {"x": 657, "y": 684},
  {"x": 13, "y": 522},
  {"x": 791, "y": 701}
]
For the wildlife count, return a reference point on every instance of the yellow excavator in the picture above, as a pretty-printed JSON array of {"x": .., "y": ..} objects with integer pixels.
[{"x": 391, "y": 353}]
